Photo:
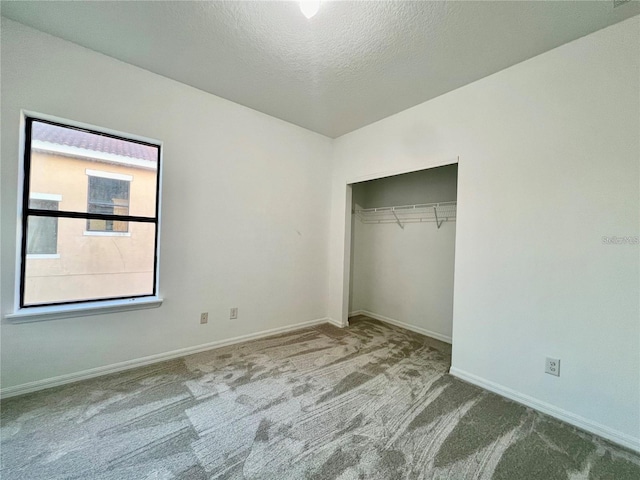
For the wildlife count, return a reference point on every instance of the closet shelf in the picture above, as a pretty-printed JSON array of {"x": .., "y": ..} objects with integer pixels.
[{"x": 426, "y": 212}]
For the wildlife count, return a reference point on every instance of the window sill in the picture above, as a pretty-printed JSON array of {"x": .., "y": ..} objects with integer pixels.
[
  {"x": 53, "y": 312},
  {"x": 96, "y": 233},
  {"x": 42, "y": 255}
]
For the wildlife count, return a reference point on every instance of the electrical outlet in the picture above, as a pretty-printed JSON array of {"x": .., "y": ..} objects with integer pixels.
[
  {"x": 233, "y": 313},
  {"x": 552, "y": 367},
  {"x": 204, "y": 317}
]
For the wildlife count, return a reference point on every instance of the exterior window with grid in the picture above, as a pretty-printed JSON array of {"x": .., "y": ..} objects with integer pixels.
[
  {"x": 96, "y": 238},
  {"x": 108, "y": 196}
]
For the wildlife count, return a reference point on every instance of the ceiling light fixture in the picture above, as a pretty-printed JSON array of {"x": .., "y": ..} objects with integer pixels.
[{"x": 309, "y": 7}]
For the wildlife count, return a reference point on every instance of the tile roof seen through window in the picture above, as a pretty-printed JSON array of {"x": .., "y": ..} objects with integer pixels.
[{"x": 71, "y": 137}]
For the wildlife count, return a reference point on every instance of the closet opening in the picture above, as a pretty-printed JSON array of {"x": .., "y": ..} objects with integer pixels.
[{"x": 403, "y": 230}]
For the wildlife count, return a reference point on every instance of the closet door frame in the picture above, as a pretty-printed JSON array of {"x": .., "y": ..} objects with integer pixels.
[{"x": 346, "y": 278}]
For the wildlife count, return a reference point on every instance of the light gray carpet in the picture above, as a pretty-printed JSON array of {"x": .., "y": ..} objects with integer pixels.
[{"x": 368, "y": 402}]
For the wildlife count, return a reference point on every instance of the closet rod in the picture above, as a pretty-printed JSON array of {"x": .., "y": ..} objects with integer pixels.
[{"x": 403, "y": 214}]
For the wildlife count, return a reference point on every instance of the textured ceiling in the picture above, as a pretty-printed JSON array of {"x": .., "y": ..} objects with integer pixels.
[{"x": 350, "y": 65}]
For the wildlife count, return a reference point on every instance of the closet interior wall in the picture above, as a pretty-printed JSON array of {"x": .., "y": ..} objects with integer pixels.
[{"x": 404, "y": 274}]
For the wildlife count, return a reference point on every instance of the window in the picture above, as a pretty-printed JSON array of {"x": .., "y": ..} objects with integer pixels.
[
  {"x": 96, "y": 238},
  {"x": 109, "y": 196},
  {"x": 43, "y": 240}
]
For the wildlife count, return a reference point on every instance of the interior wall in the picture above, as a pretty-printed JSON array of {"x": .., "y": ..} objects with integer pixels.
[
  {"x": 548, "y": 166},
  {"x": 405, "y": 275},
  {"x": 424, "y": 186},
  {"x": 244, "y": 217}
]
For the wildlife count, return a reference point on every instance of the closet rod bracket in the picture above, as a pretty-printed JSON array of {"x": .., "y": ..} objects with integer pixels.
[
  {"x": 398, "y": 220},
  {"x": 438, "y": 222}
]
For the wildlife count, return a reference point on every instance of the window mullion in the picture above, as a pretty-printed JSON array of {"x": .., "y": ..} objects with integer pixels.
[{"x": 89, "y": 216}]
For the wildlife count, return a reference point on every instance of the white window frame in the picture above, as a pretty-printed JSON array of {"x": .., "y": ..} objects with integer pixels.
[
  {"x": 46, "y": 196},
  {"x": 50, "y": 312}
]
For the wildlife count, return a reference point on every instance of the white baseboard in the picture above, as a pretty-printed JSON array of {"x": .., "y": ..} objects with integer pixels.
[
  {"x": 139, "y": 362},
  {"x": 356, "y": 312},
  {"x": 590, "y": 426},
  {"x": 407, "y": 326},
  {"x": 335, "y": 322}
]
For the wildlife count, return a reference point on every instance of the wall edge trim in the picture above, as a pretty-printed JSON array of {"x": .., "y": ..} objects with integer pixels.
[
  {"x": 65, "y": 379},
  {"x": 566, "y": 416},
  {"x": 336, "y": 323},
  {"x": 406, "y": 326}
]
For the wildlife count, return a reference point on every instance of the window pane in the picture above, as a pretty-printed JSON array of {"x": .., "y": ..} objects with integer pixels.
[
  {"x": 108, "y": 192},
  {"x": 40, "y": 204},
  {"x": 94, "y": 225},
  {"x": 93, "y": 172},
  {"x": 91, "y": 267},
  {"x": 42, "y": 238},
  {"x": 110, "y": 196},
  {"x": 97, "y": 225}
]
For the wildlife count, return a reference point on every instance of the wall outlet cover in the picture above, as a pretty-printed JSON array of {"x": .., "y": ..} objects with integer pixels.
[
  {"x": 204, "y": 317},
  {"x": 552, "y": 366}
]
